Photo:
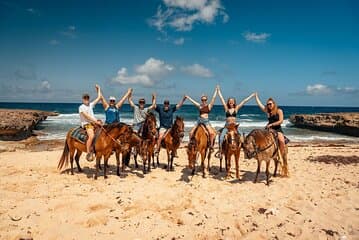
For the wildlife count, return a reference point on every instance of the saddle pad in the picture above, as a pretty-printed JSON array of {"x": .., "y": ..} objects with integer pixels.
[{"x": 79, "y": 134}]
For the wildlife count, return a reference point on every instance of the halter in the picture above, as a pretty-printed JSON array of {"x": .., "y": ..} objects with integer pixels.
[{"x": 257, "y": 150}]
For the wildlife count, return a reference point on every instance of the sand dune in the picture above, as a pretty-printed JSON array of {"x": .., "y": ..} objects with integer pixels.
[{"x": 318, "y": 201}]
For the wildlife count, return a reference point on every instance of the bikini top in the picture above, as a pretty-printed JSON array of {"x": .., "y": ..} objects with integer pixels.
[
  {"x": 204, "y": 110},
  {"x": 229, "y": 114}
]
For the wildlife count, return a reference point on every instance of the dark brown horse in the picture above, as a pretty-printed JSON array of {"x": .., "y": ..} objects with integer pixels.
[
  {"x": 198, "y": 144},
  {"x": 103, "y": 147},
  {"x": 172, "y": 141},
  {"x": 149, "y": 134},
  {"x": 125, "y": 150},
  {"x": 263, "y": 145},
  {"x": 231, "y": 146}
]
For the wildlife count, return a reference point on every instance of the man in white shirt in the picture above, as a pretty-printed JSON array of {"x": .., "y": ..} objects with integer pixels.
[
  {"x": 140, "y": 111},
  {"x": 87, "y": 118}
]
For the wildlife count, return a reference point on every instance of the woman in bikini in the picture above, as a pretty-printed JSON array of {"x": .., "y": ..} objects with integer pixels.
[{"x": 204, "y": 109}]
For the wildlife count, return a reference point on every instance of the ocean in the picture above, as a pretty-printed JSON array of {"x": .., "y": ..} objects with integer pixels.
[{"x": 250, "y": 117}]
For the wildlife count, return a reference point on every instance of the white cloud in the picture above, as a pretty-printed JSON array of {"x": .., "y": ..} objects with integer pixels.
[
  {"x": 147, "y": 74},
  {"x": 179, "y": 41},
  {"x": 321, "y": 89},
  {"x": 198, "y": 70},
  {"x": 256, "y": 37},
  {"x": 45, "y": 85},
  {"x": 181, "y": 15},
  {"x": 54, "y": 42},
  {"x": 70, "y": 32}
]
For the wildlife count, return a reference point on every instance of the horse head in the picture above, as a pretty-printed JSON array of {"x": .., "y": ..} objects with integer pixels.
[
  {"x": 192, "y": 153},
  {"x": 179, "y": 126},
  {"x": 150, "y": 124},
  {"x": 249, "y": 145}
]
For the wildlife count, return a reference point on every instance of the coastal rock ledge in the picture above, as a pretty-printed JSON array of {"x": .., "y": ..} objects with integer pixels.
[
  {"x": 18, "y": 124},
  {"x": 341, "y": 123}
]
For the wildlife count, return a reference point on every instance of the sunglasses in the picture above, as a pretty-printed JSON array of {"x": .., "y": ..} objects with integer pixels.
[
  {"x": 141, "y": 102},
  {"x": 269, "y": 104},
  {"x": 112, "y": 100},
  {"x": 204, "y": 99}
]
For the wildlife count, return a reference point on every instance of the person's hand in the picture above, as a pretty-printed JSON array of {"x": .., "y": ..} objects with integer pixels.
[
  {"x": 269, "y": 126},
  {"x": 217, "y": 87},
  {"x": 97, "y": 87},
  {"x": 184, "y": 97},
  {"x": 99, "y": 122},
  {"x": 153, "y": 95},
  {"x": 130, "y": 90}
]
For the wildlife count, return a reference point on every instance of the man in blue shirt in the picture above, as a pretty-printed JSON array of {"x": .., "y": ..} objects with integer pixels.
[{"x": 165, "y": 114}]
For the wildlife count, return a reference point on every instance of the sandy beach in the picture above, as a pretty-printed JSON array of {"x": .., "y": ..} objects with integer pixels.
[{"x": 317, "y": 201}]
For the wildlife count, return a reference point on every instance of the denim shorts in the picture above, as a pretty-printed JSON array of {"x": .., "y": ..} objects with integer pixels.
[{"x": 204, "y": 121}]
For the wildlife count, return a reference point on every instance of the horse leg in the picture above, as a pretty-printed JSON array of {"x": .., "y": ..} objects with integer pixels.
[
  {"x": 285, "y": 162},
  {"x": 168, "y": 159},
  {"x": 208, "y": 162},
  {"x": 267, "y": 171},
  {"x": 98, "y": 162},
  {"x": 72, "y": 153},
  {"x": 105, "y": 165},
  {"x": 237, "y": 165},
  {"x": 276, "y": 162},
  {"x": 258, "y": 170},
  {"x": 118, "y": 163},
  {"x": 228, "y": 161},
  {"x": 220, "y": 163},
  {"x": 203, "y": 164},
  {"x": 135, "y": 157},
  {"x": 77, "y": 159},
  {"x": 149, "y": 156}
]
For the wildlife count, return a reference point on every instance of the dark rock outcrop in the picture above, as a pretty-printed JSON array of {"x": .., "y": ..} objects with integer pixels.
[
  {"x": 341, "y": 123},
  {"x": 18, "y": 124}
]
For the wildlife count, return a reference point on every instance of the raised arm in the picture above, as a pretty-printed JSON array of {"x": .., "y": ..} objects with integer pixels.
[
  {"x": 244, "y": 101},
  {"x": 222, "y": 99},
  {"x": 259, "y": 103},
  {"x": 210, "y": 105},
  {"x": 180, "y": 103},
  {"x": 123, "y": 99},
  {"x": 153, "y": 102},
  {"x": 104, "y": 102},
  {"x": 130, "y": 100},
  {"x": 193, "y": 101},
  {"x": 98, "y": 89}
]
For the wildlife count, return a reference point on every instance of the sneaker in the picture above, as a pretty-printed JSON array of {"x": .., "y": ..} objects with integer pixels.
[{"x": 89, "y": 157}]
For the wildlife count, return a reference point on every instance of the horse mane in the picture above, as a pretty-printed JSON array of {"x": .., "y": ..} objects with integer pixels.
[{"x": 111, "y": 126}]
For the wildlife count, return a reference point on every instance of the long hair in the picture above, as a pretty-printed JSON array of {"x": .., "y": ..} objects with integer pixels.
[
  {"x": 234, "y": 104},
  {"x": 275, "y": 107}
]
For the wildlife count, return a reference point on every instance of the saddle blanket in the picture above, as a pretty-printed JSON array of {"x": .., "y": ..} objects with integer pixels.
[{"x": 79, "y": 134}]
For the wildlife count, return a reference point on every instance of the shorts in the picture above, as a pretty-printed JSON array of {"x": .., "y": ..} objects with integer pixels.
[
  {"x": 137, "y": 126},
  {"x": 204, "y": 121},
  {"x": 88, "y": 126},
  {"x": 162, "y": 130}
]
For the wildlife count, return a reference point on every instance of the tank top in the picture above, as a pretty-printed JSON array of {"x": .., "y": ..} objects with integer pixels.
[
  {"x": 275, "y": 118},
  {"x": 204, "y": 110},
  {"x": 112, "y": 115}
]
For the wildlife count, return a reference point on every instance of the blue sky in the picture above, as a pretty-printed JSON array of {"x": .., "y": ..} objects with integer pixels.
[{"x": 299, "y": 52}]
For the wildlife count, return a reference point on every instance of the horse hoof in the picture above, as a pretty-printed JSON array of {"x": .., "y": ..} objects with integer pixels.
[
  {"x": 95, "y": 178},
  {"x": 105, "y": 177},
  {"x": 80, "y": 170}
]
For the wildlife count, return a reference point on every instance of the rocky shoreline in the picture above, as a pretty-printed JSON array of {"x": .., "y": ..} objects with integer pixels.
[
  {"x": 18, "y": 124},
  {"x": 341, "y": 123}
]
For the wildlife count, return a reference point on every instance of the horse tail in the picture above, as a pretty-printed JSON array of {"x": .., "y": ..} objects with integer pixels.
[{"x": 64, "y": 160}]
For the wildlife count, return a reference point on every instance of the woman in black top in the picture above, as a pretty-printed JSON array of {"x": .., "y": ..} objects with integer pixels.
[
  {"x": 275, "y": 119},
  {"x": 231, "y": 109}
]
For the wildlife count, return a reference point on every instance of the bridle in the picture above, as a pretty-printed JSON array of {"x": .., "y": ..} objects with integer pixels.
[{"x": 258, "y": 150}]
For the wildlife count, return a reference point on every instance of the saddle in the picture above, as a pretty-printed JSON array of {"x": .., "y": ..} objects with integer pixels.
[{"x": 80, "y": 134}]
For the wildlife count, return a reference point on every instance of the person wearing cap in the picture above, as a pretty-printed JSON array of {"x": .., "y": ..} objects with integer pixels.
[
  {"x": 140, "y": 111},
  {"x": 88, "y": 120},
  {"x": 165, "y": 114},
  {"x": 204, "y": 110},
  {"x": 112, "y": 108}
]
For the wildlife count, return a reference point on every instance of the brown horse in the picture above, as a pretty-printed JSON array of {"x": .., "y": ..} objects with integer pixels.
[
  {"x": 199, "y": 143},
  {"x": 172, "y": 141},
  {"x": 149, "y": 134},
  {"x": 263, "y": 145},
  {"x": 103, "y": 147},
  {"x": 231, "y": 146},
  {"x": 125, "y": 150}
]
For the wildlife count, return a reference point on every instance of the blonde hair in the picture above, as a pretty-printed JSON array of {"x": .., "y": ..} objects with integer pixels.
[{"x": 275, "y": 107}]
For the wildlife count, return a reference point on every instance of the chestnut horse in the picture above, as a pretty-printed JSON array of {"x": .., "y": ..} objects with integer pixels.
[
  {"x": 199, "y": 143},
  {"x": 103, "y": 147},
  {"x": 172, "y": 141},
  {"x": 231, "y": 146},
  {"x": 149, "y": 134},
  {"x": 263, "y": 145}
]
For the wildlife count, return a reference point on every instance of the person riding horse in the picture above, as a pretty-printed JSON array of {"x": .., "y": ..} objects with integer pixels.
[
  {"x": 140, "y": 111},
  {"x": 204, "y": 109},
  {"x": 88, "y": 120},
  {"x": 165, "y": 114},
  {"x": 275, "y": 119},
  {"x": 231, "y": 109},
  {"x": 112, "y": 109}
]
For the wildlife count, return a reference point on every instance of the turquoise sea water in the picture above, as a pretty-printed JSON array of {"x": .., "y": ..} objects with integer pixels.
[{"x": 250, "y": 117}]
